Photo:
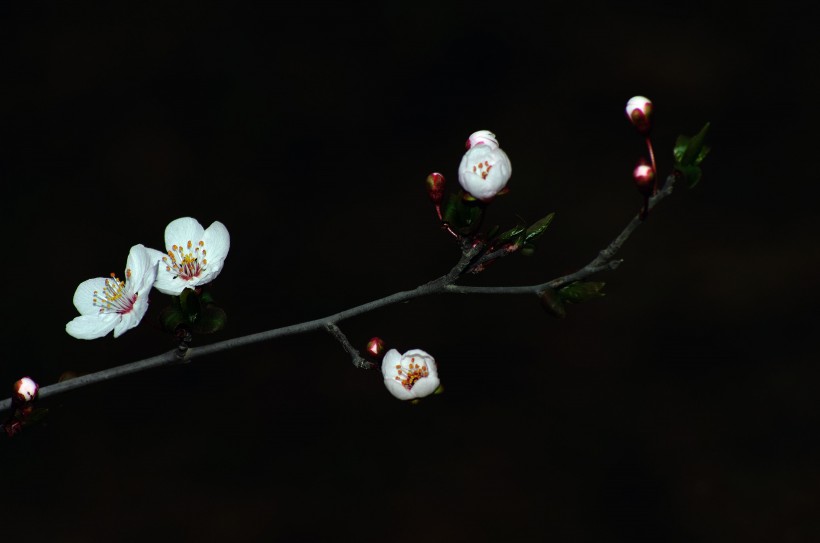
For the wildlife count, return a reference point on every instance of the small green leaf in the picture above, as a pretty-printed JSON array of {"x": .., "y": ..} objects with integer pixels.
[
  {"x": 691, "y": 174},
  {"x": 511, "y": 233},
  {"x": 552, "y": 303},
  {"x": 680, "y": 148},
  {"x": 695, "y": 146},
  {"x": 581, "y": 291},
  {"x": 189, "y": 300},
  {"x": 464, "y": 216},
  {"x": 689, "y": 152},
  {"x": 528, "y": 249},
  {"x": 171, "y": 317},
  {"x": 205, "y": 297},
  {"x": 211, "y": 319},
  {"x": 538, "y": 228}
]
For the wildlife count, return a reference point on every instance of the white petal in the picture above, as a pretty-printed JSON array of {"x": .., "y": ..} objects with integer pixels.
[
  {"x": 391, "y": 359},
  {"x": 84, "y": 295},
  {"x": 129, "y": 320},
  {"x": 217, "y": 241},
  {"x": 425, "y": 386},
  {"x": 143, "y": 265},
  {"x": 397, "y": 389},
  {"x": 166, "y": 283},
  {"x": 418, "y": 352},
  {"x": 181, "y": 231},
  {"x": 92, "y": 326}
]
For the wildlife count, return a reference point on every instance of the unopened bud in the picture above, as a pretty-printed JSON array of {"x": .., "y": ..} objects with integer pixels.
[
  {"x": 375, "y": 346},
  {"x": 25, "y": 390},
  {"x": 639, "y": 111},
  {"x": 644, "y": 177},
  {"x": 435, "y": 187}
]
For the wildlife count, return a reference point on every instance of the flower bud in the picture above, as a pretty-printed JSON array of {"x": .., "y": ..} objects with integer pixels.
[
  {"x": 375, "y": 346},
  {"x": 435, "y": 187},
  {"x": 644, "y": 177},
  {"x": 25, "y": 390},
  {"x": 638, "y": 111}
]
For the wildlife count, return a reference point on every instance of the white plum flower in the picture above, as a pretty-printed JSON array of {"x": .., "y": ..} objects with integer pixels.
[
  {"x": 485, "y": 168},
  {"x": 411, "y": 375},
  {"x": 194, "y": 256},
  {"x": 107, "y": 304}
]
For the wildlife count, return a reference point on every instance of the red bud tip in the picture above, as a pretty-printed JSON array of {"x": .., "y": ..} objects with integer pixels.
[
  {"x": 375, "y": 346},
  {"x": 435, "y": 187}
]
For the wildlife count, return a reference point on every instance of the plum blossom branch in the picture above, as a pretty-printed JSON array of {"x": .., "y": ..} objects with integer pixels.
[{"x": 444, "y": 284}]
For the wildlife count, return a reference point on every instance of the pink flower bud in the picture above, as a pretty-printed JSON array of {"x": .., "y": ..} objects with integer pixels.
[
  {"x": 375, "y": 346},
  {"x": 435, "y": 187},
  {"x": 638, "y": 111},
  {"x": 644, "y": 177},
  {"x": 25, "y": 389}
]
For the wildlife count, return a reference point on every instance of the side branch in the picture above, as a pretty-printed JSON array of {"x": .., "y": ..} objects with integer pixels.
[{"x": 604, "y": 260}]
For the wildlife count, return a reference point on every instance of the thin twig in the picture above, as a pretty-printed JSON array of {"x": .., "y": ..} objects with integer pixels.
[
  {"x": 444, "y": 283},
  {"x": 357, "y": 358}
]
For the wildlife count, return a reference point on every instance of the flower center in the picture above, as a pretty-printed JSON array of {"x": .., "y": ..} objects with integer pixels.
[
  {"x": 482, "y": 169},
  {"x": 114, "y": 297},
  {"x": 410, "y": 372},
  {"x": 186, "y": 261}
]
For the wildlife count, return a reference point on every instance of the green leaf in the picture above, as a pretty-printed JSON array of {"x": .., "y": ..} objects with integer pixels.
[
  {"x": 189, "y": 300},
  {"x": 511, "y": 233},
  {"x": 462, "y": 215},
  {"x": 538, "y": 228},
  {"x": 680, "y": 148},
  {"x": 581, "y": 291},
  {"x": 691, "y": 174},
  {"x": 211, "y": 319},
  {"x": 552, "y": 303},
  {"x": 171, "y": 317},
  {"x": 528, "y": 249},
  {"x": 689, "y": 152},
  {"x": 694, "y": 147}
]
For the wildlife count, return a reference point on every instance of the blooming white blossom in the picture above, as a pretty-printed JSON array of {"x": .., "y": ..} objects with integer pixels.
[
  {"x": 485, "y": 168},
  {"x": 107, "y": 304},
  {"x": 194, "y": 256},
  {"x": 410, "y": 375},
  {"x": 26, "y": 389}
]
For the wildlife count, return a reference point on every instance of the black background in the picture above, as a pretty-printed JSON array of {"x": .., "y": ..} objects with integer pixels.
[{"x": 681, "y": 407}]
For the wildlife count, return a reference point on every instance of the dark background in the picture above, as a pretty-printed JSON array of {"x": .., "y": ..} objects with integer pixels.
[{"x": 681, "y": 407}]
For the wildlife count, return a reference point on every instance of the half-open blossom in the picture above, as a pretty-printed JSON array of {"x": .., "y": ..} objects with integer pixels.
[
  {"x": 410, "y": 375},
  {"x": 485, "y": 168},
  {"x": 25, "y": 389},
  {"x": 194, "y": 256},
  {"x": 638, "y": 111},
  {"x": 112, "y": 303}
]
